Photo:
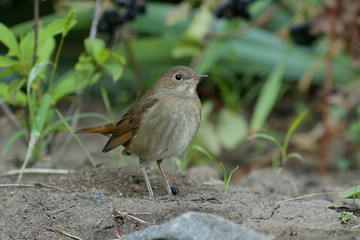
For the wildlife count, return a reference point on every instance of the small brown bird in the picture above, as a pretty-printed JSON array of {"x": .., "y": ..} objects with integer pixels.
[{"x": 161, "y": 124}]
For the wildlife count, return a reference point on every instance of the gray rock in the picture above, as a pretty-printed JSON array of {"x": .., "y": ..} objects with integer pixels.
[{"x": 197, "y": 226}]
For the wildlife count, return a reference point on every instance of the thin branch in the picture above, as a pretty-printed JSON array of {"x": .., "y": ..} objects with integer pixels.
[
  {"x": 309, "y": 195},
  {"x": 95, "y": 20},
  {"x": 17, "y": 185},
  {"x": 38, "y": 171},
  {"x": 36, "y": 29},
  {"x": 62, "y": 232}
]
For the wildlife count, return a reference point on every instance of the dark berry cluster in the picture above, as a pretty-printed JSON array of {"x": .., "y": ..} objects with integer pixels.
[
  {"x": 301, "y": 33},
  {"x": 234, "y": 8},
  {"x": 126, "y": 11}
]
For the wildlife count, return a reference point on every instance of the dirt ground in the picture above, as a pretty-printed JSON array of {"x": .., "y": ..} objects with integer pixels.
[
  {"x": 101, "y": 203},
  {"x": 108, "y": 201}
]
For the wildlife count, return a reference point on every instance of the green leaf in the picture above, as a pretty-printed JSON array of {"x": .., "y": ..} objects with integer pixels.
[
  {"x": 267, "y": 137},
  {"x": 11, "y": 140},
  {"x": 202, "y": 150},
  {"x": 46, "y": 49},
  {"x": 70, "y": 83},
  {"x": 102, "y": 56},
  {"x": 268, "y": 95},
  {"x": 15, "y": 86},
  {"x": 18, "y": 100},
  {"x": 96, "y": 49},
  {"x": 353, "y": 192},
  {"x": 294, "y": 155},
  {"x": 224, "y": 170},
  {"x": 26, "y": 46},
  {"x": 9, "y": 40},
  {"x": 211, "y": 55},
  {"x": 35, "y": 71},
  {"x": 293, "y": 127},
  {"x": 42, "y": 112},
  {"x": 114, "y": 68},
  {"x": 231, "y": 129},
  {"x": 68, "y": 22},
  {"x": 6, "y": 61}
]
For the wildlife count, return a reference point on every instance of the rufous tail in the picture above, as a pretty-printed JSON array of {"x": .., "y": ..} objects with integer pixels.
[{"x": 106, "y": 130}]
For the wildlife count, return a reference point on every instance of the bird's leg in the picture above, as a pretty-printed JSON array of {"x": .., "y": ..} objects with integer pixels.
[
  {"x": 147, "y": 180},
  {"x": 169, "y": 194}
]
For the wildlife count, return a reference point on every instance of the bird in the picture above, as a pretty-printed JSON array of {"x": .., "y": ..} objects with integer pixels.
[{"x": 161, "y": 124}]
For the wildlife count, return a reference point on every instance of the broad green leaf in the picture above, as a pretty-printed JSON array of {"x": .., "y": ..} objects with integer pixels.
[
  {"x": 68, "y": 22},
  {"x": 102, "y": 56},
  {"x": 96, "y": 49},
  {"x": 11, "y": 140},
  {"x": 18, "y": 100},
  {"x": 268, "y": 96},
  {"x": 6, "y": 61},
  {"x": 26, "y": 46},
  {"x": 35, "y": 71},
  {"x": 70, "y": 83},
  {"x": 14, "y": 86},
  {"x": 46, "y": 49},
  {"x": 84, "y": 67},
  {"x": 231, "y": 129},
  {"x": 353, "y": 192},
  {"x": 9, "y": 40},
  {"x": 41, "y": 114},
  {"x": 114, "y": 68},
  {"x": 53, "y": 28}
]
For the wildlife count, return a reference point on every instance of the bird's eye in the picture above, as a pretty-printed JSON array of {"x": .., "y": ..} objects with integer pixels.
[{"x": 178, "y": 76}]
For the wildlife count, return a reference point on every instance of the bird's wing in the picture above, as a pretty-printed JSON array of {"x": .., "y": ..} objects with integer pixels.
[{"x": 127, "y": 127}]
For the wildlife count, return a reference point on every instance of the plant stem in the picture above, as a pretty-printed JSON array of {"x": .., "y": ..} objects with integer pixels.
[
  {"x": 95, "y": 20},
  {"x": 55, "y": 64},
  {"x": 327, "y": 88}
]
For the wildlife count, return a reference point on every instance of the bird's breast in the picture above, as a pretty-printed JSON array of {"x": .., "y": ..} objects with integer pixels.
[{"x": 167, "y": 128}]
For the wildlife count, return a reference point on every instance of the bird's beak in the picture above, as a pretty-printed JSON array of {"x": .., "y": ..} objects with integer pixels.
[{"x": 198, "y": 77}]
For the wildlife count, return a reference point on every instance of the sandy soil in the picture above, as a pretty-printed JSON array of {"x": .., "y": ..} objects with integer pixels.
[{"x": 99, "y": 203}]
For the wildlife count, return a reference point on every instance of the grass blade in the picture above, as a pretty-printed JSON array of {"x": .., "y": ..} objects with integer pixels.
[
  {"x": 106, "y": 101},
  {"x": 293, "y": 127},
  {"x": 267, "y": 137},
  {"x": 75, "y": 136},
  {"x": 268, "y": 94}
]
